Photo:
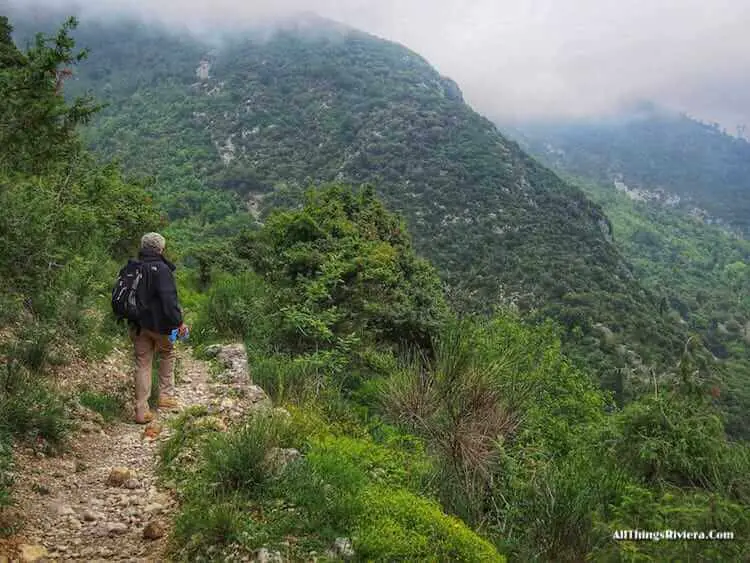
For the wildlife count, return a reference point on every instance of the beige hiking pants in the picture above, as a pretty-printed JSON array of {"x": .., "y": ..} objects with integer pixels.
[{"x": 145, "y": 344}]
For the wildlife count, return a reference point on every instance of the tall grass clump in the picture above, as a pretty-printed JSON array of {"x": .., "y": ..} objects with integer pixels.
[
  {"x": 239, "y": 499},
  {"x": 236, "y": 306},
  {"x": 30, "y": 409}
]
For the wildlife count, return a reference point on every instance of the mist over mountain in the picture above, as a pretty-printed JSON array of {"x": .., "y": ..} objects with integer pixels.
[
  {"x": 678, "y": 195},
  {"x": 545, "y": 59}
]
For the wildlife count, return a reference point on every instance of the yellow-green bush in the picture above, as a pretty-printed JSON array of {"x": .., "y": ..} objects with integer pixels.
[
  {"x": 398, "y": 525},
  {"x": 375, "y": 494}
]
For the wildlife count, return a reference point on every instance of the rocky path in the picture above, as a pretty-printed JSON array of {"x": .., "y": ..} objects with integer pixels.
[{"x": 101, "y": 501}]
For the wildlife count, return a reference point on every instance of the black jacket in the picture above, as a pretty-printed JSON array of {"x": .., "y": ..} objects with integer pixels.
[{"x": 164, "y": 313}]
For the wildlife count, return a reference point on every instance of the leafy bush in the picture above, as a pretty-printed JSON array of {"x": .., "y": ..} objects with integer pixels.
[
  {"x": 345, "y": 266},
  {"x": 303, "y": 379},
  {"x": 679, "y": 440},
  {"x": 455, "y": 404},
  {"x": 236, "y": 306},
  {"x": 400, "y": 526},
  {"x": 31, "y": 347},
  {"x": 203, "y": 528},
  {"x": 386, "y": 464},
  {"x": 679, "y": 510},
  {"x": 490, "y": 382},
  {"x": 545, "y": 509},
  {"x": 178, "y": 456},
  {"x": 6, "y": 466}
]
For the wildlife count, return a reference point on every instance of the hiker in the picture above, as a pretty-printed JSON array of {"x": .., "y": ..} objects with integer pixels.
[{"x": 159, "y": 315}]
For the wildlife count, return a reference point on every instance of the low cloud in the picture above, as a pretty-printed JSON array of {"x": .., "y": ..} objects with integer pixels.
[{"x": 530, "y": 58}]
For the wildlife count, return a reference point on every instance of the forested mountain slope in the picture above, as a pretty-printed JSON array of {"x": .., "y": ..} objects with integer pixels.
[
  {"x": 405, "y": 432},
  {"x": 691, "y": 165},
  {"x": 312, "y": 102},
  {"x": 700, "y": 269}
]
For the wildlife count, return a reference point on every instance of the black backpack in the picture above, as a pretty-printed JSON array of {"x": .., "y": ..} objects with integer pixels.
[{"x": 129, "y": 295}]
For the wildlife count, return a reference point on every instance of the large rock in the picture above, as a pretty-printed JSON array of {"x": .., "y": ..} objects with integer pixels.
[
  {"x": 154, "y": 530},
  {"x": 277, "y": 459},
  {"x": 263, "y": 555},
  {"x": 92, "y": 515},
  {"x": 32, "y": 552},
  {"x": 233, "y": 357},
  {"x": 257, "y": 396},
  {"x": 131, "y": 484},
  {"x": 343, "y": 548},
  {"x": 118, "y": 476},
  {"x": 212, "y": 351},
  {"x": 116, "y": 528}
]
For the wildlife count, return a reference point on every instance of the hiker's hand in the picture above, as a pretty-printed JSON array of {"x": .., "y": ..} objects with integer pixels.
[{"x": 182, "y": 330}]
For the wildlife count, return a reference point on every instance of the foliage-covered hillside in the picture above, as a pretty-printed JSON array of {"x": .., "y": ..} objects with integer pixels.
[
  {"x": 245, "y": 125},
  {"x": 700, "y": 270},
  {"x": 657, "y": 151},
  {"x": 487, "y": 417},
  {"x": 419, "y": 435}
]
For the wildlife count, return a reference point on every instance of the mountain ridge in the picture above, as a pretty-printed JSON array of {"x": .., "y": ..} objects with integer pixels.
[
  {"x": 301, "y": 110},
  {"x": 696, "y": 165}
]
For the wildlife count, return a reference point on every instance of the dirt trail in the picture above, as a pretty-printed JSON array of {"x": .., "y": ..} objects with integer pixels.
[{"x": 71, "y": 508}]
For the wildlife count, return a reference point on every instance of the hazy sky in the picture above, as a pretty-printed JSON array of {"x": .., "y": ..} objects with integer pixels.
[{"x": 535, "y": 57}]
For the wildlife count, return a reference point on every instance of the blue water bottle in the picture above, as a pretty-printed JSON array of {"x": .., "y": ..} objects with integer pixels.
[{"x": 175, "y": 334}]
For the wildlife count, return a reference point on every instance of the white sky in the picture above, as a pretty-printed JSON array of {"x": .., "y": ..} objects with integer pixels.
[{"x": 530, "y": 58}]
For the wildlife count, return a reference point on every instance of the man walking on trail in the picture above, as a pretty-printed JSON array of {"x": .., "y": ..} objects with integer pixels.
[{"x": 150, "y": 333}]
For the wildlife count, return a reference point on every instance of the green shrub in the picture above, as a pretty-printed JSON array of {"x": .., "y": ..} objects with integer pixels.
[
  {"x": 547, "y": 509},
  {"x": 6, "y": 466},
  {"x": 110, "y": 406},
  {"x": 29, "y": 409},
  {"x": 11, "y": 307},
  {"x": 235, "y": 307},
  {"x": 202, "y": 529},
  {"x": 343, "y": 265},
  {"x": 679, "y": 440},
  {"x": 31, "y": 347},
  {"x": 235, "y": 461},
  {"x": 301, "y": 379},
  {"x": 675, "y": 509},
  {"x": 324, "y": 489},
  {"x": 190, "y": 434},
  {"x": 382, "y": 464},
  {"x": 398, "y": 525}
]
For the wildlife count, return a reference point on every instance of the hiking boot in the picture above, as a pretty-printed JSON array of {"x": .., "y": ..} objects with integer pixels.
[
  {"x": 148, "y": 417},
  {"x": 168, "y": 403}
]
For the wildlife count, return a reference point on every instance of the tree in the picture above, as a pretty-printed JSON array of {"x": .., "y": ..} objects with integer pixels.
[
  {"x": 37, "y": 125},
  {"x": 346, "y": 259}
]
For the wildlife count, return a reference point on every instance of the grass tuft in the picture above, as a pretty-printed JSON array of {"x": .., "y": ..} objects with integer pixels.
[{"x": 110, "y": 406}]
